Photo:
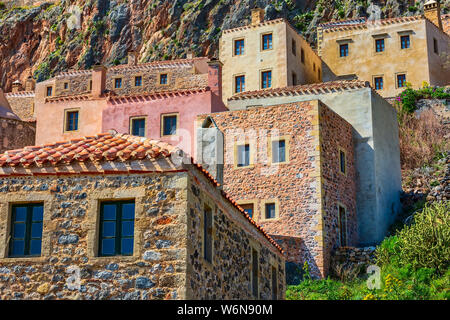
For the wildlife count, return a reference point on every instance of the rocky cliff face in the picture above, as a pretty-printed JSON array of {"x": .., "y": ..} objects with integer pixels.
[{"x": 57, "y": 36}]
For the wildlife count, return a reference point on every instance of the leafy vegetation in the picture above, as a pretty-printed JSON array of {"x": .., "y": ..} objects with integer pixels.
[
  {"x": 414, "y": 265},
  {"x": 409, "y": 96}
]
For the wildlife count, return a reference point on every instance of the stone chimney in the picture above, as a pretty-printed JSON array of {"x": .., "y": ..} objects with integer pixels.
[
  {"x": 257, "y": 16},
  {"x": 30, "y": 84},
  {"x": 98, "y": 81},
  {"x": 432, "y": 11},
  {"x": 215, "y": 77},
  {"x": 16, "y": 86},
  {"x": 132, "y": 58}
]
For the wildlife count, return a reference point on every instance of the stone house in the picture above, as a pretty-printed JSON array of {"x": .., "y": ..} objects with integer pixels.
[
  {"x": 388, "y": 52},
  {"x": 114, "y": 216},
  {"x": 266, "y": 54},
  {"x": 291, "y": 167},
  {"x": 158, "y": 99},
  {"x": 14, "y": 132},
  {"x": 375, "y": 138}
]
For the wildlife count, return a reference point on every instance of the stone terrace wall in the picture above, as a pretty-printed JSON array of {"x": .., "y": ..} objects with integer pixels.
[
  {"x": 337, "y": 188},
  {"x": 294, "y": 185},
  {"x": 16, "y": 134},
  {"x": 22, "y": 104},
  {"x": 229, "y": 276},
  {"x": 155, "y": 271},
  {"x": 354, "y": 255}
]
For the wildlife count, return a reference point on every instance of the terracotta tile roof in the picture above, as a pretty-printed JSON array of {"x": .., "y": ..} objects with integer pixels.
[
  {"x": 249, "y": 26},
  {"x": 146, "y": 96},
  {"x": 102, "y": 147},
  {"x": 107, "y": 147},
  {"x": 315, "y": 88},
  {"x": 364, "y": 23}
]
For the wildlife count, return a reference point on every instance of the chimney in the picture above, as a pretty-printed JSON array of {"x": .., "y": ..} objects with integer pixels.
[
  {"x": 257, "y": 16},
  {"x": 432, "y": 11},
  {"x": 16, "y": 86},
  {"x": 98, "y": 81},
  {"x": 215, "y": 77},
  {"x": 189, "y": 55},
  {"x": 132, "y": 58},
  {"x": 30, "y": 84}
]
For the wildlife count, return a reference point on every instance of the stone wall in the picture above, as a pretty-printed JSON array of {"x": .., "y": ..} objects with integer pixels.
[
  {"x": 22, "y": 104},
  {"x": 15, "y": 134},
  {"x": 155, "y": 271},
  {"x": 229, "y": 274},
  {"x": 354, "y": 255}
]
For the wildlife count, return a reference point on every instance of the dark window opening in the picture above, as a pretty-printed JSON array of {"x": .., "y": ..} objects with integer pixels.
[
  {"x": 66, "y": 85},
  {"x": 26, "y": 230},
  {"x": 378, "y": 83},
  {"x": 118, "y": 83},
  {"x": 278, "y": 151},
  {"x": 243, "y": 155},
  {"x": 342, "y": 160},
  {"x": 255, "y": 279},
  {"x": 72, "y": 121},
  {"x": 266, "y": 81},
  {"x": 116, "y": 228},
  {"x": 169, "y": 125},
  {"x": 138, "y": 81},
  {"x": 163, "y": 79},
  {"x": 294, "y": 47},
  {"x": 294, "y": 78},
  {"x": 435, "y": 46},
  {"x": 270, "y": 211},
  {"x": 343, "y": 49},
  {"x": 138, "y": 127},
  {"x": 401, "y": 80},
  {"x": 248, "y": 208},
  {"x": 239, "y": 47},
  {"x": 379, "y": 45},
  {"x": 405, "y": 42},
  {"x": 49, "y": 91},
  {"x": 207, "y": 233},
  {"x": 267, "y": 41},
  {"x": 342, "y": 226},
  {"x": 239, "y": 84},
  {"x": 302, "y": 55}
]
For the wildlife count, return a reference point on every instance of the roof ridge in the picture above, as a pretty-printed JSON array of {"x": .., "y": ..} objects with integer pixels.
[{"x": 248, "y": 26}]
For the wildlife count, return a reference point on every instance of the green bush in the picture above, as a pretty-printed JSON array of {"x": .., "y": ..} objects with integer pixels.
[
  {"x": 409, "y": 96},
  {"x": 2, "y": 6}
]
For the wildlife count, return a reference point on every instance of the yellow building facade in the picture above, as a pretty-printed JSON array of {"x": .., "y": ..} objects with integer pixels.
[
  {"x": 388, "y": 53},
  {"x": 266, "y": 54}
]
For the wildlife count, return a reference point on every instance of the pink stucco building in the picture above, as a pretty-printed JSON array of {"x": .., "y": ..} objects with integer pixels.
[{"x": 159, "y": 100}]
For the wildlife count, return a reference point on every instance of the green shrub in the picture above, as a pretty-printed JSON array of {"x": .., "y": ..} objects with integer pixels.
[
  {"x": 2, "y": 6},
  {"x": 409, "y": 96}
]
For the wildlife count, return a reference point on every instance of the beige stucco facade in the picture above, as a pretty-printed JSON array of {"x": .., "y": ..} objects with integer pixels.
[
  {"x": 418, "y": 63},
  {"x": 282, "y": 60}
]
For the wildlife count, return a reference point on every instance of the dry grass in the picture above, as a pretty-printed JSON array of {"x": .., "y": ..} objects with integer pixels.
[{"x": 421, "y": 138}]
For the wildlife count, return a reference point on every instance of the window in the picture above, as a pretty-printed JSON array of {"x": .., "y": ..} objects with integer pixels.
[
  {"x": 274, "y": 284},
  {"x": 138, "y": 127},
  {"x": 342, "y": 162},
  {"x": 270, "y": 212},
  {"x": 378, "y": 83},
  {"x": 294, "y": 78},
  {"x": 405, "y": 42},
  {"x": 243, "y": 155},
  {"x": 118, "y": 83},
  {"x": 207, "y": 234},
  {"x": 343, "y": 49},
  {"x": 90, "y": 85},
  {"x": 163, "y": 78},
  {"x": 138, "y": 81},
  {"x": 49, "y": 91},
  {"x": 314, "y": 67},
  {"x": 169, "y": 125},
  {"x": 342, "y": 226},
  {"x": 248, "y": 208},
  {"x": 66, "y": 85},
  {"x": 71, "y": 120},
  {"x": 239, "y": 84},
  {"x": 255, "y": 279},
  {"x": 239, "y": 47},
  {"x": 278, "y": 151},
  {"x": 26, "y": 230},
  {"x": 116, "y": 228},
  {"x": 435, "y": 46},
  {"x": 294, "y": 47},
  {"x": 379, "y": 45},
  {"x": 267, "y": 41},
  {"x": 319, "y": 74},
  {"x": 302, "y": 55},
  {"x": 266, "y": 79},
  {"x": 401, "y": 80}
]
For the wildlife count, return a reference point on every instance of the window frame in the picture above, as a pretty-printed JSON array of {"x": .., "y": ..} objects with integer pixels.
[
  {"x": 302, "y": 55},
  {"x": 66, "y": 83},
  {"x": 234, "y": 47},
  {"x": 131, "y": 126},
  {"x": 114, "y": 79},
  {"x": 294, "y": 47},
  {"x": 262, "y": 78},
  {"x": 272, "y": 139},
  {"x": 52, "y": 89},
  {"x": 210, "y": 260},
  {"x": 118, "y": 236},
  {"x": 66, "y": 119},
  {"x": 374, "y": 78},
  {"x": 347, "y": 50},
  {"x": 263, "y": 35},
  {"x": 383, "y": 47},
  {"x": 343, "y": 151},
  {"x": 340, "y": 225},
  {"x": 263, "y": 211},
  {"x": 249, "y": 202},
  {"x": 235, "y": 82},
  {"x": 160, "y": 75},
  {"x": 435, "y": 46},
  {"x": 28, "y": 230},
  {"x": 165, "y": 115},
  {"x": 134, "y": 80},
  {"x": 401, "y": 41},
  {"x": 236, "y": 156},
  {"x": 396, "y": 80}
]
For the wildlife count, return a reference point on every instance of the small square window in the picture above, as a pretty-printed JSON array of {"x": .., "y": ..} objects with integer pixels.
[
  {"x": 26, "y": 230},
  {"x": 243, "y": 155},
  {"x": 267, "y": 41},
  {"x": 66, "y": 85},
  {"x": 294, "y": 47},
  {"x": 270, "y": 212},
  {"x": 116, "y": 228},
  {"x": 378, "y": 83},
  {"x": 278, "y": 151},
  {"x": 342, "y": 162},
  {"x": 239, "y": 47},
  {"x": 379, "y": 45},
  {"x": 239, "y": 84},
  {"x": 138, "y": 127},
  {"x": 118, "y": 83},
  {"x": 71, "y": 120},
  {"x": 401, "y": 80},
  {"x": 169, "y": 123},
  {"x": 163, "y": 78},
  {"x": 138, "y": 81},
  {"x": 343, "y": 50},
  {"x": 405, "y": 42},
  {"x": 266, "y": 79},
  {"x": 49, "y": 91},
  {"x": 248, "y": 208}
]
